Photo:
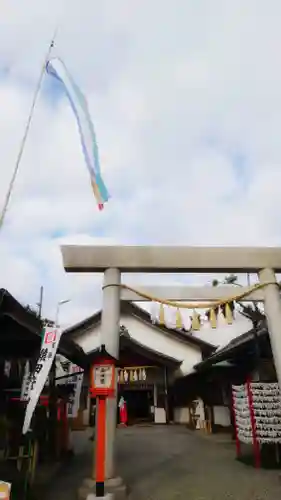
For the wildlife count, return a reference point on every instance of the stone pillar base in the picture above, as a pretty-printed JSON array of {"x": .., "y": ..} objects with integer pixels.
[
  {"x": 108, "y": 496},
  {"x": 114, "y": 486}
]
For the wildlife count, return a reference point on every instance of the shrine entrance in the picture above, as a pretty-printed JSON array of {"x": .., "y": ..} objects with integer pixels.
[
  {"x": 137, "y": 385},
  {"x": 143, "y": 381},
  {"x": 140, "y": 403},
  {"x": 143, "y": 389},
  {"x": 112, "y": 261}
]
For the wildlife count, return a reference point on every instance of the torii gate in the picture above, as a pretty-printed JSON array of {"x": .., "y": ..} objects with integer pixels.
[{"x": 113, "y": 260}]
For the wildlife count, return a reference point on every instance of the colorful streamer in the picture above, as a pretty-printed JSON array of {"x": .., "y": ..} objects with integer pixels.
[{"x": 57, "y": 69}]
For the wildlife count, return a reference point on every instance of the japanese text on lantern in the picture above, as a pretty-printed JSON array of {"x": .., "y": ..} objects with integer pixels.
[{"x": 103, "y": 376}]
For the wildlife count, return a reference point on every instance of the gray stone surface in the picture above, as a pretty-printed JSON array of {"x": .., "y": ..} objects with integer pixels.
[
  {"x": 108, "y": 496},
  {"x": 172, "y": 463},
  {"x": 114, "y": 486},
  {"x": 155, "y": 259}
]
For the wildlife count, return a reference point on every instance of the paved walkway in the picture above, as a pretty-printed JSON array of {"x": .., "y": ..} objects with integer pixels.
[{"x": 172, "y": 463}]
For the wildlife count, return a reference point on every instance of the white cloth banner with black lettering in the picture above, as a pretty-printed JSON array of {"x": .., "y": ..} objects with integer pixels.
[
  {"x": 74, "y": 400},
  {"x": 49, "y": 346}
]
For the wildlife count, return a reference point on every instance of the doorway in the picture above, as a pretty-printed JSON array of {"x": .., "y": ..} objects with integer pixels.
[{"x": 139, "y": 405}]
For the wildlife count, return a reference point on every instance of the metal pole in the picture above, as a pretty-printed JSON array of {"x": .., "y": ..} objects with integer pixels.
[
  {"x": 257, "y": 347},
  {"x": 53, "y": 400},
  {"x": 166, "y": 395},
  {"x": 57, "y": 315},
  {"x": 40, "y": 301},
  {"x": 26, "y": 130},
  {"x": 53, "y": 410}
]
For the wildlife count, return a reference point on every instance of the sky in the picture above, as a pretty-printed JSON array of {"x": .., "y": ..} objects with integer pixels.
[{"x": 185, "y": 97}]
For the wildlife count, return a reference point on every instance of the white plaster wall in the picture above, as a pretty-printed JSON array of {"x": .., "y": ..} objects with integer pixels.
[
  {"x": 222, "y": 416},
  {"x": 160, "y": 416},
  {"x": 224, "y": 333},
  {"x": 157, "y": 340},
  {"x": 181, "y": 415},
  {"x": 86, "y": 412},
  {"x": 90, "y": 339},
  {"x": 150, "y": 336}
]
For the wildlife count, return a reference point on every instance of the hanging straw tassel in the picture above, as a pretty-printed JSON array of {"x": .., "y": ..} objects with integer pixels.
[
  {"x": 178, "y": 319},
  {"x": 228, "y": 314},
  {"x": 161, "y": 315},
  {"x": 195, "y": 321},
  {"x": 213, "y": 318}
]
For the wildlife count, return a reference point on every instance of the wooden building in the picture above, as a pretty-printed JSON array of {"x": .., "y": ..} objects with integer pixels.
[
  {"x": 152, "y": 357},
  {"x": 246, "y": 356},
  {"x": 20, "y": 340}
]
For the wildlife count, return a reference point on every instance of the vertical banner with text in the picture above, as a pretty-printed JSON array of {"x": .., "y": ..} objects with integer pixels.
[
  {"x": 25, "y": 388},
  {"x": 37, "y": 379},
  {"x": 74, "y": 401}
]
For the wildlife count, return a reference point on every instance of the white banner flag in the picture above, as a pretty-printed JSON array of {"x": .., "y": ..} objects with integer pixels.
[
  {"x": 49, "y": 346},
  {"x": 74, "y": 402}
]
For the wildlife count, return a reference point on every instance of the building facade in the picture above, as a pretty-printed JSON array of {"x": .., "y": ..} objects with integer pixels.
[{"x": 151, "y": 358}]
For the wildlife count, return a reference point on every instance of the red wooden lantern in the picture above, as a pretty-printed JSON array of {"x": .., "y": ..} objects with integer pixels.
[{"x": 102, "y": 375}]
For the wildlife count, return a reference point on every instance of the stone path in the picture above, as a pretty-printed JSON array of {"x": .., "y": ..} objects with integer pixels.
[{"x": 172, "y": 463}]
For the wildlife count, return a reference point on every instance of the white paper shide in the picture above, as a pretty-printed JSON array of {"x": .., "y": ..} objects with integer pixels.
[{"x": 266, "y": 412}]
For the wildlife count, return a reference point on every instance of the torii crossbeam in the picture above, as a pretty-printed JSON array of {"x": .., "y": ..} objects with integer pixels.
[{"x": 155, "y": 259}]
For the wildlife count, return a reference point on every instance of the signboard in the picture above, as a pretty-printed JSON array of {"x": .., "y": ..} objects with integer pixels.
[
  {"x": 74, "y": 402},
  {"x": 5, "y": 490},
  {"x": 102, "y": 379},
  {"x": 103, "y": 375},
  {"x": 37, "y": 379}
]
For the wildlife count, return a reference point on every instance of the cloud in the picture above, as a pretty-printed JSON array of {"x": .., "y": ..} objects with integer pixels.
[{"x": 186, "y": 103}]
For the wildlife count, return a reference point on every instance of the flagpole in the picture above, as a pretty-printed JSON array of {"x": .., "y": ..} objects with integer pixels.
[{"x": 27, "y": 127}]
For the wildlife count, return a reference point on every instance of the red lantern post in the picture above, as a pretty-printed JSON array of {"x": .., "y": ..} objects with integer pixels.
[{"x": 102, "y": 378}]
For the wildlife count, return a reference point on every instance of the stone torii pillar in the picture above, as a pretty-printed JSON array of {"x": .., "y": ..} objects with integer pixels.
[
  {"x": 272, "y": 309},
  {"x": 110, "y": 324}
]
